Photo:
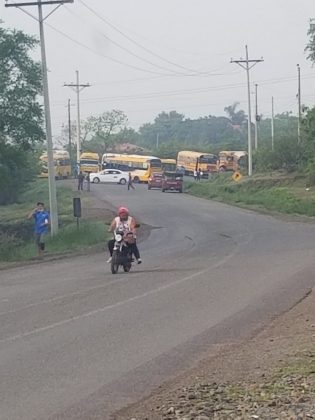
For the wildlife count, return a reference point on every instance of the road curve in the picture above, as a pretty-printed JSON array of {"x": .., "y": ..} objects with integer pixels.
[{"x": 77, "y": 342}]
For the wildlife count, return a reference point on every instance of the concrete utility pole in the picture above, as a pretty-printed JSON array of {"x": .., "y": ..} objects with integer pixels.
[
  {"x": 256, "y": 116},
  {"x": 51, "y": 169},
  {"x": 248, "y": 64},
  {"x": 299, "y": 104},
  {"x": 272, "y": 124},
  {"x": 69, "y": 132},
  {"x": 77, "y": 87},
  {"x": 157, "y": 140}
]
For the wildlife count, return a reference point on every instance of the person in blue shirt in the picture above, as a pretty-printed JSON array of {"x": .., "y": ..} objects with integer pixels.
[{"x": 41, "y": 218}]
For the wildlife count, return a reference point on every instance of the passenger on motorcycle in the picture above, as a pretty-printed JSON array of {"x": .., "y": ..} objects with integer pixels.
[{"x": 127, "y": 224}]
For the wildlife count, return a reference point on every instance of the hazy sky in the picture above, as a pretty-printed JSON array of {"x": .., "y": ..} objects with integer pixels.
[{"x": 173, "y": 54}]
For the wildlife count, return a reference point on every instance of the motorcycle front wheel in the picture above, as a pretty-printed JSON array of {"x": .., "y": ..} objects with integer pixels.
[{"x": 114, "y": 263}]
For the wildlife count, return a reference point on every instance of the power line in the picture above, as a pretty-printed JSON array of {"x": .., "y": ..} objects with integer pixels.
[
  {"x": 99, "y": 16},
  {"x": 124, "y": 48},
  {"x": 103, "y": 55},
  {"x": 205, "y": 89}
]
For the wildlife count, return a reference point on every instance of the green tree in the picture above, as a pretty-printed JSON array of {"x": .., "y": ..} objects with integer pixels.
[
  {"x": 21, "y": 116},
  {"x": 100, "y": 131},
  {"x": 310, "y": 47},
  {"x": 236, "y": 117}
]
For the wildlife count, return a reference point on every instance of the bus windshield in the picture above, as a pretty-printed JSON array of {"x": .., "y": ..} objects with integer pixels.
[
  {"x": 168, "y": 165},
  {"x": 208, "y": 159}
]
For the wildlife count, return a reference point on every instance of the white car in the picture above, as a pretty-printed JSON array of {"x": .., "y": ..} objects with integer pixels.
[{"x": 109, "y": 175}]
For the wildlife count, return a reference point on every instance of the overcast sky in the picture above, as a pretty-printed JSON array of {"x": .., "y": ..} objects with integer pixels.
[{"x": 145, "y": 56}]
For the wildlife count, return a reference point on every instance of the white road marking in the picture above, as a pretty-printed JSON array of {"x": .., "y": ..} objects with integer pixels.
[{"x": 121, "y": 303}]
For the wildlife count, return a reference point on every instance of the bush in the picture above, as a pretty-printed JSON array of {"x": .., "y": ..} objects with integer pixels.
[
  {"x": 310, "y": 171},
  {"x": 287, "y": 154},
  {"x": 17, "y": 169},
  {"x": 8, "y": 245}
]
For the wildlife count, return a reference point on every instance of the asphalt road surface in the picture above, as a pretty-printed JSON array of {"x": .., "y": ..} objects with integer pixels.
[{"x": 77, "y": 342}]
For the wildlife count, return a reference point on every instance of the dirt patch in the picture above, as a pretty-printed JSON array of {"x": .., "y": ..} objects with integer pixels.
[{"x": 271, "y": 376}]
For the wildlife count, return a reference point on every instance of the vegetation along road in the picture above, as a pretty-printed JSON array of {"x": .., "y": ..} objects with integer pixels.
[{"x": 77, "y": 342}]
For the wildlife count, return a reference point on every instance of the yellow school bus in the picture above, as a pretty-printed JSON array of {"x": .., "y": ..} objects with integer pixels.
[
  {"x": 141, "y": 167},
  {"x": 190, "y": 161},
  {"x": 168, "y": 165},
  {"x": 62, "y": 164},
  {"x": 231, "y": 160},
  {"x": 89, "y": 162}
]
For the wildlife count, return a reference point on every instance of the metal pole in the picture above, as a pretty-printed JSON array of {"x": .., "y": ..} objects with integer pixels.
[
  {"x": 299, "y": 103},
  {"x": 51, "y": 168},
  {"x": 272, "y": 125},
  {"x": 78, "y": 118},
  {"x": 69, "y": 132},
  {"x": 249, "y": 122},
  {"x": 256, "y": 116}
]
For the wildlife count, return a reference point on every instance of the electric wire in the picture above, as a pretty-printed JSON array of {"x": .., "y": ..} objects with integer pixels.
[{"x": 99, "y": 16}]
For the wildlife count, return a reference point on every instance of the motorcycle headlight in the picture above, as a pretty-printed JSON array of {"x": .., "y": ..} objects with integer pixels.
[{"x": 118, "y": 237}]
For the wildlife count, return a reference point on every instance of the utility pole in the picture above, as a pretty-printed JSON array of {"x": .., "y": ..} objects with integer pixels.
[
  {"x": 51, "y": 169},
  {"x": 272, "y": 124},
  {"x": 77, "y": 87},
  {"x": 256, "y": 116},
  {"x": 157, "y": 140},
  {"x": 69, "y": 132},
  {"x": 247, "y": 65},
  {"x": 299, "y": 104}
]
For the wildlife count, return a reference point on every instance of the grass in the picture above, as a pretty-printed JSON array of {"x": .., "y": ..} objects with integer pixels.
[
  {"x": 38, "y": 191},
  {"x": 16, "y": 232},
  {"x": 68, "y": 239},
  {"x": 276, "y": 194}
]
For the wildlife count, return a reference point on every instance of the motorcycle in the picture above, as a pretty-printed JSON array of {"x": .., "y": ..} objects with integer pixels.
[{"x": 122, "y": 255}]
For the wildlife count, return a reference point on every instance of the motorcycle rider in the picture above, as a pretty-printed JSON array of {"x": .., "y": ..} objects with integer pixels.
[{"x": 127, "y": 224}]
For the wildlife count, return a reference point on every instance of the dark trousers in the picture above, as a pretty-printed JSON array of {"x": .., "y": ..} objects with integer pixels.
[
  {"x": 80, "y": 185},
  {"x": 129, "y": 247}
]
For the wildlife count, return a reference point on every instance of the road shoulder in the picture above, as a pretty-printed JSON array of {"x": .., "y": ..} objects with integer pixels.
[{"x": 271, "y": 375}]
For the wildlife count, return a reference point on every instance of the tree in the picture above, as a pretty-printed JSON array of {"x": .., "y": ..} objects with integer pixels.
[
  {"x": 236, "y": 117},
  {"x": 100, "y": 131},
  {"x": 173, "y": 128},
  {"x": 310, "y": 48},
  {"x": 21, "y": 116}
]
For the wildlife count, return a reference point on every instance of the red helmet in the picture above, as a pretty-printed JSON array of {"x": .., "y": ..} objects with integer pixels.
[{"x": 123, "y": 210}]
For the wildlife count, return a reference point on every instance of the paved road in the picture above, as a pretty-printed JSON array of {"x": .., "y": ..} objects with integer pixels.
[{"x": 77, "y": 342}]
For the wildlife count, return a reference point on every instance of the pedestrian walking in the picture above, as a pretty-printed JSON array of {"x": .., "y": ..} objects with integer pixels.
[
  {"x": 195, "y": 175},
  {"x": 80, "y": 181},
  {"x": 42, "y": 219},
  {"x": 198, "y": 174},
  {"x": 130, "y": 182}
]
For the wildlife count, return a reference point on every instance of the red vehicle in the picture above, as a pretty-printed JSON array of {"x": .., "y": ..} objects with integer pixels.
[
  {"x": 155, "y": 181},
  {"x": 172, "y": 181}
]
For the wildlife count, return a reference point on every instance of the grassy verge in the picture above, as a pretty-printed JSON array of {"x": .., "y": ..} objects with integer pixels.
[
  {"x": 16, "y": 232},
  {"x": 277, "y": 194}
]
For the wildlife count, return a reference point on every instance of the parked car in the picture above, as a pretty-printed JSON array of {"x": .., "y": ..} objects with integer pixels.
[
  {"x": 155, "y": 180},
  {"x": 172, "y": 181},
  {"x": 109, "y": 176}
]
